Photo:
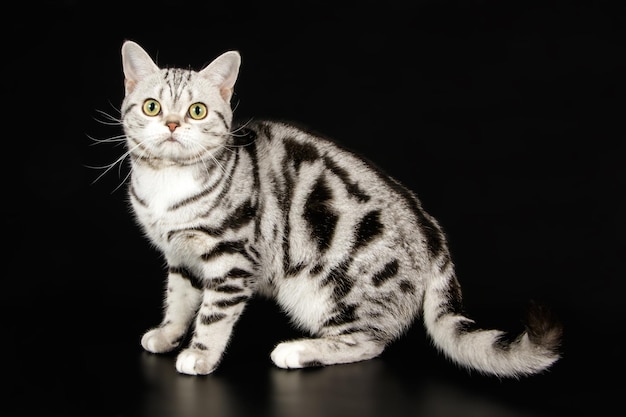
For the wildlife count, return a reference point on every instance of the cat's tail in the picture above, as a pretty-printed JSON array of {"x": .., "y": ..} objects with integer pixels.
[{"x": 488, "y": 351}]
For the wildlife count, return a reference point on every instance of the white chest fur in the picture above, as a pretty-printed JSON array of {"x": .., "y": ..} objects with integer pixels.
[{"x": 157, "y": 193}]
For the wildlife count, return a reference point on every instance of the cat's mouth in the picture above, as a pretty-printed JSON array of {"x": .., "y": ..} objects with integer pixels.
[
  {"x": 177, "y": 150},
  {"x": 171, "y": 144}
]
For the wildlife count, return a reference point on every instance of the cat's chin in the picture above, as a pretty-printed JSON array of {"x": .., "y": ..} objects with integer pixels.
[
  {"x": 174, "y": 151},
  {"x": 159, "y": 159}
]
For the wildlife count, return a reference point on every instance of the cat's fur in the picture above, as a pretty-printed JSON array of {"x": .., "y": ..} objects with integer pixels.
[{"x": 346, "y": 251}]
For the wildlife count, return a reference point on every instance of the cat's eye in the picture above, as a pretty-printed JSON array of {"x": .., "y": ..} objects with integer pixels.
[
  {"x": 198, "y": 111},
  {"x": 151, "y": 107}
]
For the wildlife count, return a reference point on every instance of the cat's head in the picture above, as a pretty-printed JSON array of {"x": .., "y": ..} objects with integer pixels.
[{"x": 176, "y": 115}]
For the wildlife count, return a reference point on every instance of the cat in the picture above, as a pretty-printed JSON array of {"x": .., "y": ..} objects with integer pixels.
[{"x": 271, "y": 209}]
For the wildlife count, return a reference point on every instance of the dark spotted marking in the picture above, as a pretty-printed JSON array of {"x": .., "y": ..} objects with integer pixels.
[
  {"x": 213, "y": 283},
  {"x": 246, "y": 143},
  {"x": 320, "y": 217},
  {"x": 346, "y": 313},
  {"x": 226, "y": 180},
  {"x": 238, "y": 273},
  {"x": 209, "y": 231},
  {"x": 373, "y": 332},
  {"x": 319, "y": 267},
  {"x": 293, "y": 270},
  {"x": 243, "y": 215},
  {"x": 505, "y": 341},
  {"x": 207, "y": 319},
  {"x": 226, "y": 247},
  {"x": 229, "y": 289},
  {"x": 222, "y": 118},
  {"x": 351, "y": 186},
  {"x": 254, "y": 252},
  {"x": 231, "y": 302},
  {"x": 407, "y": 287},
  {"x": 377, "y": 334},
  {"x": 284, "y": 198},
  {"x": 338, "y": 277},
  {"x": 367, "y": 229},
  {"x": 351, "y": 330},
  {"x": 466, "y": 326},
  {"x": 453, "y": 298},
  {"x": 432, "y": 233},
  {"x": 266, "y": 130},
  {"x": 192, "y": 199},
  {"x": 195, "y": 281},
  {"x": 199, "y": 346},
  {"x": 389, "y": 270},
  {"x": 382, "y": 299},
  {"x": 133, "y": 193},
  {"x": 300, "y": 152}
]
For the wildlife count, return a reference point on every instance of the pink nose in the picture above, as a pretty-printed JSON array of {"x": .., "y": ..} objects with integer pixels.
[{"x": 172, "y": 126}]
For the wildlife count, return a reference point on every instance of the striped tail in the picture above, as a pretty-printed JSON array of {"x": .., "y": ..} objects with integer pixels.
[{"x": 488, "y": 351}]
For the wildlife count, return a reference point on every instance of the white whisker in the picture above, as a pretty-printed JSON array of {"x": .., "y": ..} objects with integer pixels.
[
  {"x": 203, "y": 149},
  {"x": 123, "y": 181},
  {"x": 110, "y": 120},
  {"x": 240, "y": 128},
  {"x": 110, "y": 166},
  {"x": 118, "y": 140}
]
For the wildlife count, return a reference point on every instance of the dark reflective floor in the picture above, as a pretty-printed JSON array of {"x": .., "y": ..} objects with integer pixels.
[
  {"x": 100, "y": 370},
  {"x": 506, "y": 118}
]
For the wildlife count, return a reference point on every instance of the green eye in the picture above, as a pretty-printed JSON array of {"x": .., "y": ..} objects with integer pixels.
[
  {"x": 198, "y": 111},
  {"x": 151, "y": 107}
]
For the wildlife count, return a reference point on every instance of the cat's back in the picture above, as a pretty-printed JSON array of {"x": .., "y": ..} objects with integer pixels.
[
  {"x": 296, "y": 148},
  {"x": 318, "y": 179}
]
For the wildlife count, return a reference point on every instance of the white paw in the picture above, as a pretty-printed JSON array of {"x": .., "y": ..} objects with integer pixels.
[
  {"x": 195, "y": 362},
  {"x": 158, "y": 341},
  {"x": 287, "y": 355}
]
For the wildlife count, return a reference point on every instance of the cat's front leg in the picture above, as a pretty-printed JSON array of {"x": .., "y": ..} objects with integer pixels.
[
  {"x": 220, "y": 310},
  {"x": 181, "y": 303}
]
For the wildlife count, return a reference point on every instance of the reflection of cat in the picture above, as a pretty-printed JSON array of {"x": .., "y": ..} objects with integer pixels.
[{"x": 267, "y": 208}]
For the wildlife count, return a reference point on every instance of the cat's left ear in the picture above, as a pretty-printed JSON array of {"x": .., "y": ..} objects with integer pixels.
[
  {"x": 223, "y": 72},
  {"x": 137, "y": 64}
]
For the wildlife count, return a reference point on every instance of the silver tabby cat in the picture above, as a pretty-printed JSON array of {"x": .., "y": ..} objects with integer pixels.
[{"x": 268, "y": 209}]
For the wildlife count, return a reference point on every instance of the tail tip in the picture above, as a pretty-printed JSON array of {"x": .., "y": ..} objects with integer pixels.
[{"x": 544, "y": 328}]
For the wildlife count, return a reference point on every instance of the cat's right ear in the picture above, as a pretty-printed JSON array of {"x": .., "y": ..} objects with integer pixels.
[
  {"x": 223, "y": 71},
  {"x": 136, "y": 63}
]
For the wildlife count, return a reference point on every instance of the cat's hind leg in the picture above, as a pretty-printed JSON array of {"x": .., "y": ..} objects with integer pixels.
[
  {"x": 181, "y": 303},
  {"x": 326, "y": 350}
]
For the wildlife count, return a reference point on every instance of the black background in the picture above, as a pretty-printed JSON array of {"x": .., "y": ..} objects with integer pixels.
[{"x": 506, "y": 118}]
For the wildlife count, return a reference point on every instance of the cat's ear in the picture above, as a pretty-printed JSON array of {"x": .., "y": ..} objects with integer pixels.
[
  {"x": 223, "y": 72},
  {"x": 136, "y": 63}
]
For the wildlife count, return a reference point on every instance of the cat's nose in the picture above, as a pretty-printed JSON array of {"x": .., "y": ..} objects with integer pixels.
[{"x": 172, "y": 125}]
